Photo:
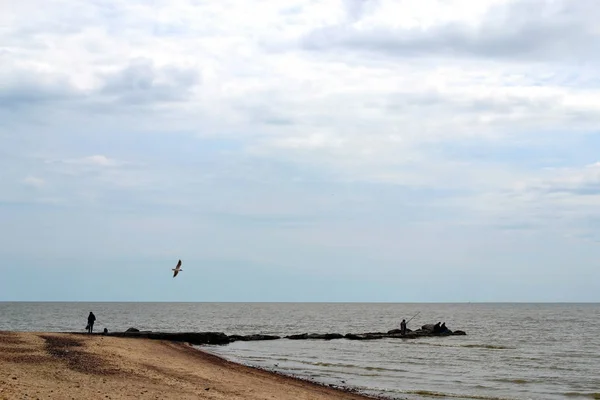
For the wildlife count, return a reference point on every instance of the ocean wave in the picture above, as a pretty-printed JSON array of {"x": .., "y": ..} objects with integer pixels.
[
  {"x": 558, "y": 368},
  {"x": 595, "y": 395},
  {"x": 469, "y": 346},
  {"x": 328, "y": 364},
  {"x": 343, "y": 365},
  {"x": 428, "y": 393},
  {"x": 519, "y": 381},
  {"x": 384, "y": 369},
  {"x": 258, "y": 358},
  {"x": 487, "y": 346}
]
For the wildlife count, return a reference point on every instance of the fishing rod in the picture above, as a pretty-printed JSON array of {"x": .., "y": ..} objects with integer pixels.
[{"x": 413, "y": 317}]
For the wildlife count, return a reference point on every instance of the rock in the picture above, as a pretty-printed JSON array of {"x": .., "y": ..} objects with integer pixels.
[
  {"x": 394, "y": 335},
  {"x": 408, "y": 335},
  {"x": 299, "y": 336},
  {"x": 429, "y": 330},
  {"x": 197, "y": 338},
  {"x": 398, "y": 331},
  {"x": 192, "y": 337},
  {"x": 324, "y": 336},
  {"x": 365, "y": 336},
  {"x": 330, "y": 336},
  {"x": 262, "y": 337},
  {"x": 247, "y": 338},
  {"x": 200, "y": 338},
  {"x": 353, "y": 336}
]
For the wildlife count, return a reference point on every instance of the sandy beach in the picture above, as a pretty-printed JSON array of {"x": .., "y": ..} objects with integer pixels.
[{"x": 70, "y": 366}]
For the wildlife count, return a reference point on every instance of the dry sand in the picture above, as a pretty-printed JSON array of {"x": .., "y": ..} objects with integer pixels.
[{"x": 65, "y": 366}]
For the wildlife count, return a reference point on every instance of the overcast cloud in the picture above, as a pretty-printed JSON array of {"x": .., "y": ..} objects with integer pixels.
[{"x": 386, "y": 147}]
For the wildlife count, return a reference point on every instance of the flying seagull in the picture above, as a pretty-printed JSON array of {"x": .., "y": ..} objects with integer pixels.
[{"x": 177, "y": 269}]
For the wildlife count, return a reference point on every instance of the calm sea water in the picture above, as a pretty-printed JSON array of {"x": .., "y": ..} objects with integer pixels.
[{"x": 511, "y": 351}]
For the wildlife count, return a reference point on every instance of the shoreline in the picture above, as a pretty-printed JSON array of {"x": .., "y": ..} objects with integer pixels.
[
  {"x": 57, "y": 365},
  {"x": 342, "y": 388}
]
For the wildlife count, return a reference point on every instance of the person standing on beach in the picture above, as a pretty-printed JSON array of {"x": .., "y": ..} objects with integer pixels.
[
  {"x": 403, "y": 327},
  {"x": 91, "y": 320}
]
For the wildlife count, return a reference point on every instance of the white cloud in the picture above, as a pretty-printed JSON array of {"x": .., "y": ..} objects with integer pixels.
[
  {"x": 562, "y": 31},
  {"x": 141, "y": 82},
  {"x": 94, "y": 160},
  {"x": 209, "y": 69},
  {"x": 34, "y": 181},
  {"x": 577, "y": 181}
]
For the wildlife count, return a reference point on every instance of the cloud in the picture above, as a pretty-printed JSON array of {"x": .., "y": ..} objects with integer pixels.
[
  {"x": 354, "y": 117},
  {"x": 142, "y": 82},
  {"x": 30, "y": 88},
  {"x": 88, "y": 165},
  {"x": 389, "y": 128},
  {"x": 356, "y": 9},
  {"x": 34, "y": 182},
  {"x": 576, "y": 181},
  {"x": 138, "y": 83},
  {"x": 95, "y": 160},
  {"x": 528, "y": 30}
]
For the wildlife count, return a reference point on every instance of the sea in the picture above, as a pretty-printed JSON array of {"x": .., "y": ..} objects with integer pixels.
[{"x": 511, "y": 350}]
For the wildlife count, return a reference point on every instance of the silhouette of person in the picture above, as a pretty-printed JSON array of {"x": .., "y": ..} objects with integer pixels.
[
  {"x": 91, "y": 320},
  {"x": 403, "y": 327}
]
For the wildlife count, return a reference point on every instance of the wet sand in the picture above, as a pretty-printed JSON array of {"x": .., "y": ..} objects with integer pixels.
[{"x": 66, "y": 366}]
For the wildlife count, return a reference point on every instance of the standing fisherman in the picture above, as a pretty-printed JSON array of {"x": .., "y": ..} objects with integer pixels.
[
  {"x": 91, "y": 320},
  {"x": 403, "y": 327}
]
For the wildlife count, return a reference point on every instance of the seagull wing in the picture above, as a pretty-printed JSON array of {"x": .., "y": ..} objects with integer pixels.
[
  {"x": 178, "y": 264},
  {"x": 175, "y": 273}
]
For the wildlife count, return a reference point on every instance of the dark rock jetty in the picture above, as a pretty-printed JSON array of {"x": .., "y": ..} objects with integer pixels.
[{"x": 199, "y": 338}]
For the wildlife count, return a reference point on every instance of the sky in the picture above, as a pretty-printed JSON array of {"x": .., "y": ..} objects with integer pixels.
[{"x": 352, "y": 150}]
